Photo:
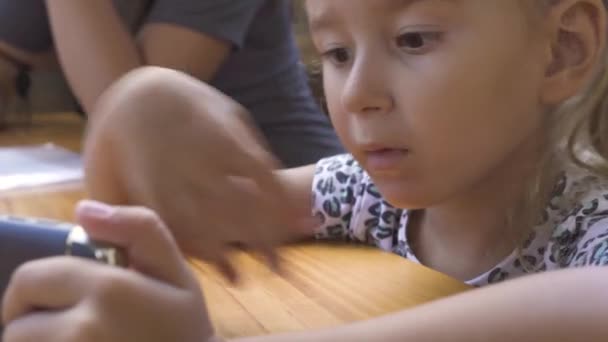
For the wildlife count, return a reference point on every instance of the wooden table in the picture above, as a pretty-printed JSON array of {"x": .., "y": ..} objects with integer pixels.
[{"x": 324, "y": 285}]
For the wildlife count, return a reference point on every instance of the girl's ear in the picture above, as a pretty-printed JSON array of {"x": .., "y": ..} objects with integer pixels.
[{"x": 578, "y": 37}]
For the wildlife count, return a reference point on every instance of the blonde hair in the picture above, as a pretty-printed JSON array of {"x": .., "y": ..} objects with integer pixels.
[{"x": 578, "y": 136}]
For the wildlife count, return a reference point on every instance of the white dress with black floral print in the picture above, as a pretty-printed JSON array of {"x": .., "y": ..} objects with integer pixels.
[{"x": 574, "y": 231}]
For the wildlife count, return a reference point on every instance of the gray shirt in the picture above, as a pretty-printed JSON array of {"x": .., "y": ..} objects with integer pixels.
[{"x": 263, "y": 72}]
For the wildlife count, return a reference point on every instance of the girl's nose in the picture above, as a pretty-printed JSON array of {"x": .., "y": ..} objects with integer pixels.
[{"x": 366, "y": 89}]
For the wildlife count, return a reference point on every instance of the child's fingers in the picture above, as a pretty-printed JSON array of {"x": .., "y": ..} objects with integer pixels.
[
  {"x": 54, "y": 284},
  {"x": 40, "y": 326},
  {"x": 150, "y": 247}
]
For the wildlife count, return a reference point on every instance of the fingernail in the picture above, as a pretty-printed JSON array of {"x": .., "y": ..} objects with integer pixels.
[{"x": 94, "y": 209}]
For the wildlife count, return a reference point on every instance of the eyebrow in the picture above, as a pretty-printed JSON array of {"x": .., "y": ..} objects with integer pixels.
[{"x": 323, "y": 21}]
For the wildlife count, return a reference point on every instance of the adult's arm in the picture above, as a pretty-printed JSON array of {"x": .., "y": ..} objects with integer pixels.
[{"x": 95, "y": 47}]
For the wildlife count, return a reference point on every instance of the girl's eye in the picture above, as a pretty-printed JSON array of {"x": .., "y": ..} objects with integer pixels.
[
  {"x": 417, "y": 42},
  {"x": 337, "y": 56}
]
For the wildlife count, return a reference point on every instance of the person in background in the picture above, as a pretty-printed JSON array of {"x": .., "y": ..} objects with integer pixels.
[{"x": 245, "y": 49}]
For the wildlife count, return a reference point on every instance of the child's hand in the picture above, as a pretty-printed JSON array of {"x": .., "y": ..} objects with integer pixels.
[
  {"x": 194, "y": 160},
  {"x": 67, "y": 299}
]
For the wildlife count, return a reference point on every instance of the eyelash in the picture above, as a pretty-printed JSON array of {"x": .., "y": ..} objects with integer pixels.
[
  {"x": 332, "y": 55},
  {"x": 426, "y": 38}
]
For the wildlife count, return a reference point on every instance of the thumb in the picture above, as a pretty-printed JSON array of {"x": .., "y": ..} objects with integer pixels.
[{"x": 150, "y": 247}]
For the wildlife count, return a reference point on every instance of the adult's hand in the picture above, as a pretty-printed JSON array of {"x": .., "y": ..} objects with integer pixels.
[{"x": 169, "y": 142}]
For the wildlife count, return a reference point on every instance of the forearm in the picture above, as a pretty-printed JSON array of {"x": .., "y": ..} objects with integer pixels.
[
  {"x": 558, "y": 306},
  {"x": 94, "y": 46}
]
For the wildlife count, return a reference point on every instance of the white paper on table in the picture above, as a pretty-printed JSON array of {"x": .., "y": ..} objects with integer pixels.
[{"x": 28, "y": 166}]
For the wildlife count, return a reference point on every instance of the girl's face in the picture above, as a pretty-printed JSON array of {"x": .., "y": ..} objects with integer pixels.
[{"x": 431, "y": 96}]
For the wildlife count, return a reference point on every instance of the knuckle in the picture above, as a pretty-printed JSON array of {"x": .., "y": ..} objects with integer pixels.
[
  {"x": 113, "y": 285},
  {"x": 146, "y": 216},
  {"x": 23, "y": 274},
  {"x": 12, "y": 333},
  {"x": 86, "y": 327},
  {"x": 139, "y": 218},
  {"x": 31, "y": 272},
  {"x": 146, "y": 90},
  {"x": 145, "y": 81}
]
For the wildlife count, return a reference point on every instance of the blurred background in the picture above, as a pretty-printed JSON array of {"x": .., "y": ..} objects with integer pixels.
[{"x": 48, "y": 90}]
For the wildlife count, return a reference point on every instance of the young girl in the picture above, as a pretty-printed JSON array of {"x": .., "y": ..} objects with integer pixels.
[{"x": 477, "y": 133}]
